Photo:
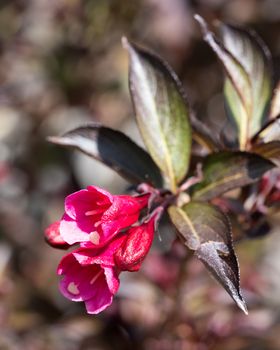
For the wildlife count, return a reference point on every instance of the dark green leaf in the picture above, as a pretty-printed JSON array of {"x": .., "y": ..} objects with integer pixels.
[
  {"x": 270, "y": 150},
  {"x": 204, "y": 136},
  {"x": 207, "y": 231},
  {"x": 225, "y": 171},
  {"x": 248, "y": 84},
  {"x": 114, "y": 149},
  {"x": 161, "y": 112}
]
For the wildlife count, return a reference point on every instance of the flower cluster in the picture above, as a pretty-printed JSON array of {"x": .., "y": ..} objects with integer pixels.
[{"x": 101, "y": 223}]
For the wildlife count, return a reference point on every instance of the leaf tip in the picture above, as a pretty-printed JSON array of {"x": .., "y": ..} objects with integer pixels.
[
  {"x": 201, "y": 22},
  {"x": 57, "y": 140},
  {"x": 198, "y": 18},
  {"x": 125, "y": 43},
  {"x": 242, "y": 305},
  {"x": 52, "y": 139}
]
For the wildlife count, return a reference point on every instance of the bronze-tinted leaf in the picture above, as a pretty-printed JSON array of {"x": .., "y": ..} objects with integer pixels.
[
  {"x": 207, "y": 231},
  {"x": 224, "y": 171},
  {"x": 270, "y": 132},
  {"x": 204, "y": 136},
  {"x": 248, "y": 84},
  {"x": 161, "y": 112},
  {"x": 275, "y": 103},
  {"x": 270, "y": 150},
  {"x": 114, "y": 149},
  {"x": 254, "y": 56}
]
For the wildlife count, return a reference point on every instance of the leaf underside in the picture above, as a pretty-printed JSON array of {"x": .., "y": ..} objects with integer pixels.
[
  {"x": 207, "y": 231},
  {"x": 114, "y": 149}
]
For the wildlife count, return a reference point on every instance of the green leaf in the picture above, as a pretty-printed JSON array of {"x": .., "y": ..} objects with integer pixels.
[
  {"x": 270, "y": 150},
  {"x": 161, "y": 111},
  {"x": 224, "y": 171},
  {"x": 248, "y": 84},
  {"x": 204, "y": 136},
  {"x": 207, "y": 231},
  {"x": 114, "y": 149}
]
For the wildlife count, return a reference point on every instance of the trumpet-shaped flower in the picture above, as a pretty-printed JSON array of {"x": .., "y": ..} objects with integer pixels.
[
  {"x": 95, "y": 216},
  {"x": 90, "y": 275}
]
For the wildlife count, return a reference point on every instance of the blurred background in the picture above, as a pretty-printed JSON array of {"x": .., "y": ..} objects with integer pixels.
[{"x": 62, "y": 65}]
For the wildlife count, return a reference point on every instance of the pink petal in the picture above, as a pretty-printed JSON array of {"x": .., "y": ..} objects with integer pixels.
[
  {"x": 96, "y": 305},
  {"x": 142, "y": 200},
  {"x": 104, "y": 197},
  {"x": 92, "y": 283},
  {"x": 94, "y": 215},
  {"x": 105, "y": 255},
  {"x": 112, "y": 279},
  {"x": 79, "y": 203},
  {"x": 124, "y": 212},
  {"x": 73, "y": 232},
  {"x": 104, "y": 296}
]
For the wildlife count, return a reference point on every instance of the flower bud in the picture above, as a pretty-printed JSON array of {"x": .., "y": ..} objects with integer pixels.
[
  {"x": 137, "y": 245},
  {"x": 53, "y": 237}
]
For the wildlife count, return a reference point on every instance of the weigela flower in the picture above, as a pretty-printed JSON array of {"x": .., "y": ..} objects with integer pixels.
[
  {"x": 96, "y": 216},
  {"x": 90, "y": 275},
  {"x": 101, "y": 223}
]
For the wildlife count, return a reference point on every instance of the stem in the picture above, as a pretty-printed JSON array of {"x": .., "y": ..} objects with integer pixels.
[
  {"x": 176, "y": 312},
  {"x": 193, "y": 179}
]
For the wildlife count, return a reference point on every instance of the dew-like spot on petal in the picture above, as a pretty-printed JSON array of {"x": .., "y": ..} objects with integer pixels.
[
  {"x": 73, "y": 288},
  {"x": 95, "y": 277},
  {"x": 94, "y": 237}
]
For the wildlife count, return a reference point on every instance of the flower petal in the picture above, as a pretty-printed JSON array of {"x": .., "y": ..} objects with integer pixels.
[
  {"x": 123, "y": 212},
  {"x": 92, "y": 283},
  {"x": 96, "y": 305},
  {"x": 103, "y": 294},
  {"x": 112, "y": 279},
  {"x": 89, "y": 254},
  {"x": 79, "y": 203},
  {"x": 73, "y": 232}
]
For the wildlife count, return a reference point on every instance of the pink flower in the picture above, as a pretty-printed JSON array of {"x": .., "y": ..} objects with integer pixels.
[
  {"x": 90, "y": 275},
  {"x": 136, "y": 246},
  {"x": 97, "y": 220},
  {"x": 94, "y": 215}
]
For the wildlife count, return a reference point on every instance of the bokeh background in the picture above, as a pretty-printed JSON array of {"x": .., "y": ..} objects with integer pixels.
[{"x": 62, "y": 65}]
